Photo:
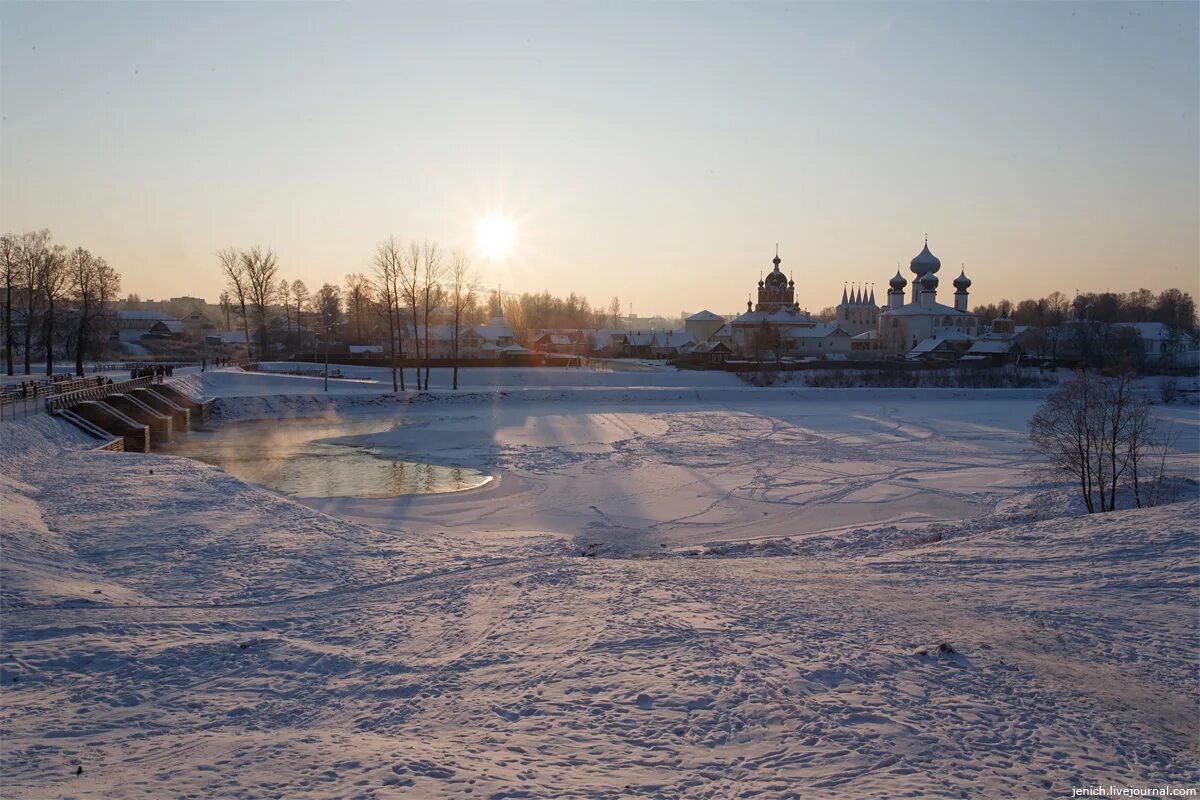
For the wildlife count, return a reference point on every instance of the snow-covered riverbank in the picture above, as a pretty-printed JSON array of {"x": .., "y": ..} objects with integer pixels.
[{"x": 776, "y": 570}]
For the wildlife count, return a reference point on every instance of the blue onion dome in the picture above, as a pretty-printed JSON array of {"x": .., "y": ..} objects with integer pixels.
[
  {"x": 929, "y": 281},
  {"x": 898, "y": 281},
  {"x": 962, "y": 282},
  {"x": 925, "y": 261}
]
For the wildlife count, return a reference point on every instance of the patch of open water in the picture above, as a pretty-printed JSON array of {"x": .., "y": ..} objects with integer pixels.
[{"x": 310, "y": 458}]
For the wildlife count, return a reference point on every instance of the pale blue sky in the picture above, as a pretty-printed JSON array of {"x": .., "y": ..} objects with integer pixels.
[{"x": 651, "y": 151}]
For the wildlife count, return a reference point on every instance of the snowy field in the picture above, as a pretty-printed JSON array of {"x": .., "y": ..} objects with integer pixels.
[{"x": 674, "y": 586}]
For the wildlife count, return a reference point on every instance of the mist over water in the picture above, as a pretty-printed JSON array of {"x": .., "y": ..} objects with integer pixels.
[{"x": 324, "y": 457}]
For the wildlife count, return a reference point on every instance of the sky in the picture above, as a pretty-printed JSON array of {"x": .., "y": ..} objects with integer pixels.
[{"x": 656, "y": 152}]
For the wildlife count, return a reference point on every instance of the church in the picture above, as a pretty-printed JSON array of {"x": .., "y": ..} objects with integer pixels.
[
  {"x": 923, "y": 321},
  {"x": 911, "y": 322},
  {"x": 776, "y": 324}
]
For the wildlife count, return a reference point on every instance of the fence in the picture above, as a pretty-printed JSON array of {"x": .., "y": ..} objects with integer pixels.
[{"x": 28, "y": 398}]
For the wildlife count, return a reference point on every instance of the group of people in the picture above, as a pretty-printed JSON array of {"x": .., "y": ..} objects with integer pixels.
[{"x": 159, "y": 371}]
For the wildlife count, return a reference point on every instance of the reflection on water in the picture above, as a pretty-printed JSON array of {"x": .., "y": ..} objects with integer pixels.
[{"x": 320, "y": 458}]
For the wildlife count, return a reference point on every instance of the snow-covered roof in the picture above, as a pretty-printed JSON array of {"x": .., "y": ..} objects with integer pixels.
[
  {"x": 491, "y": 333},
  {"x": 673, "y": 339},
  {"x": 932, "y": 343},
  {"x": 144, "y": 314},
  {"x": 991, "y": 346},
  {"x": 1156, "y": 331},
  {"x": 639, "y": 339},
  {"x": 704, "y": 316},
  {"x": 366, "y": 348},
  {"x": 172, "y": 325},
  {"x": 866, "y": 336},
  {"x": 709, "y": 346},
  {"x": 783, "y": 316},
  {"x": 918, "y": 310},
  {"x": 514, "y": 348},
  {"x": 818, "y": 331}
]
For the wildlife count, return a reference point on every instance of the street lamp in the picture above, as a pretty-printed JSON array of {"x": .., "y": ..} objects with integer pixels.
[{"x": 328, "y": 326}]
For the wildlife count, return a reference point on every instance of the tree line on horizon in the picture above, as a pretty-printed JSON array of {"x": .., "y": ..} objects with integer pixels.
[
  {"x": 1173, "y": 307},
  {"x": 64, "y": 297},
  {"x": 409, "y": 286}
]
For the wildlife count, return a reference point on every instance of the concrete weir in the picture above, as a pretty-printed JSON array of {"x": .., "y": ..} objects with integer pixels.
[
  {"x": 199, "y": 409},
  {"x": 142, "y": 414},
  {"x": 160, "y": 425},
  {"x": 180, "y": 416},
  {"x": 108, "y": 418}
]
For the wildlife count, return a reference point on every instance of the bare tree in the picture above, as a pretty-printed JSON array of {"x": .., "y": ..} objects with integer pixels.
[
  {"x": 410, "y": 294},
  {"x": 53, "y": 280},
  {"x": 300, "y": 299},
  {"x": 327, "y": 310},
  {"x": 285, "y": 298},
  {"x": 1097, "y": 432},
  {"x": 226, "y": 304},
  {"x": 260, "y": 268},
  {"x": 432, "y": 272},
  {"x": 388, "y": 264},
  {"x": 93, "y": 285},
  {"x": 33, "y": 252},
  {"x": 10, "y": 250},
  {"x": 464, "y": 286},
  {"x": 358, "y": 298},
  {"x": 237, "y": 285}
]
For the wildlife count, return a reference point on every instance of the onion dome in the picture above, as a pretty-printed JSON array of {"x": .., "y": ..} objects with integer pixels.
[
  {"x": 962, "y": 282},
  {"x": 925, "y": 261},
  {"x": 898, "y": 281},
  {"x": 776, "y": 280},
  {"x": 929, "y": 281}
]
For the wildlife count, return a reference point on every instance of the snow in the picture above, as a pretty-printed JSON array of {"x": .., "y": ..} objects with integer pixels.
[{"x": 678, "y": 586}]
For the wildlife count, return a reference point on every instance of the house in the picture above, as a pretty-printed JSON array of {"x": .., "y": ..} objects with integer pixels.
[
  {"x": 1163, "y": 345},
  {"x": 947, "y": 345},
  {"x": 817, "y": 340},
  {"x": 703, "y": 325},
  {"x": 486, "y": 341},
  {"x": 710, "y": 352},
  {"x": 131, "y": 325},
  {"x": 670, "y": 344},
  {"x": 552, "y": 342},
  {"x": 196, "y": 326}
]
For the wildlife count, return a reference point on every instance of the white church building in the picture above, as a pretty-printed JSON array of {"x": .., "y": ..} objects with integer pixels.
[{"x": 923, "y": 321}]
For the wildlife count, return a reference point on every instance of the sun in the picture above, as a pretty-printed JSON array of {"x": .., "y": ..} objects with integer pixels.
[{"x": 495, "y": 235}]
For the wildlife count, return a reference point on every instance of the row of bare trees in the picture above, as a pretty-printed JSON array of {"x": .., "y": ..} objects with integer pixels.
[
  {"x": 42, "y": 280},
  {"x": 411, "y": 280},
  {"x": 1100, "y": 433},
  {"x": 1173, "y": 307}
]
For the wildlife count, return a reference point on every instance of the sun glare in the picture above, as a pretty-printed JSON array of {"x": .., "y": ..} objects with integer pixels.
[{"x": 495, "y": 236}]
